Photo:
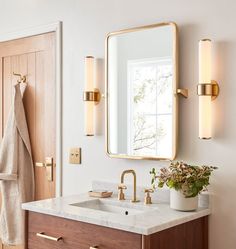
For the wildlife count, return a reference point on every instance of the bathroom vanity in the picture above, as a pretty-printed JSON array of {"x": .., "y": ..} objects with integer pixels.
[{"x": 84, "y": 222}]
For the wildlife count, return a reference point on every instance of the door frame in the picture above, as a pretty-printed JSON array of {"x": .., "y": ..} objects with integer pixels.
[{"x": 33, "y": 31}]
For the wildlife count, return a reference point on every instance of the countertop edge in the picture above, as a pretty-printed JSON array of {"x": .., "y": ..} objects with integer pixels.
[{"x": 138, "y": 230}]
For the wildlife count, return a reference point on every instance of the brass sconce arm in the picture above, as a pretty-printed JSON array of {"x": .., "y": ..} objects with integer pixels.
[{"x": 183, "y": 92}]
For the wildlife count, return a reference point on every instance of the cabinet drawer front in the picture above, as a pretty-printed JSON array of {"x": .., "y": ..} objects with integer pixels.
[{"x": 45, "y": 230}]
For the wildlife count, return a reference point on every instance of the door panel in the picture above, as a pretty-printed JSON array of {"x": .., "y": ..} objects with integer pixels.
[
  {"x": 35, "y": 58},
  {"x": 7, "y": 89}
]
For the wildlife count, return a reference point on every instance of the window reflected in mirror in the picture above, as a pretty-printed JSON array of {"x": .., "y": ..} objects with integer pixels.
[{"x": 150, "y": 106}]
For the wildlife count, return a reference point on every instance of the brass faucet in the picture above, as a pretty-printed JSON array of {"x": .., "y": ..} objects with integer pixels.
[{"x": 121, "y": 187}]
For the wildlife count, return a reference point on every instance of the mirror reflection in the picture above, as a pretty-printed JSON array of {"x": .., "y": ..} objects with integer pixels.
[{"x": 141, "y": 82}]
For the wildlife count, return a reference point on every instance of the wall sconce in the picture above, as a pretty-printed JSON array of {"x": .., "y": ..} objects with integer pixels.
[
  {"x": 91, "y": 96},
  {"x": 207, "y": 89}
]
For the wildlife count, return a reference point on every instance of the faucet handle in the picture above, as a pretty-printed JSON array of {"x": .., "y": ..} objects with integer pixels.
[
  {"x": 122, "y": 186},
  {"x": 148, "y": 199},
  {"x": 121, "y": 195}
]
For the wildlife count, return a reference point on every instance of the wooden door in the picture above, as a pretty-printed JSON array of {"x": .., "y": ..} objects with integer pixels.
[{"x": 34, "y": 57}]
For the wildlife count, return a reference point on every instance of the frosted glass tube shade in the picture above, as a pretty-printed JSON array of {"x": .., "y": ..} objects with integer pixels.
[
  {"x": 205, "y": 114},
  {"x": 204, "y": 61},
  {"x": 205, "y": 108},
  {"x": 89, "y": 73},
  {"x": 89, "y": 105},
  {"x": 89, "y": 118}
]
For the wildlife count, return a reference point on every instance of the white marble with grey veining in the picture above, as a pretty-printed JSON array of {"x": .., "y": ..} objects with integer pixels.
[{"x": 153, "y": 218}]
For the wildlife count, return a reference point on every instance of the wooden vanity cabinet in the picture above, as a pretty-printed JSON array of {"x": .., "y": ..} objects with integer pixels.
[
  {"x": 190, "y": 235},
  {"x": 80, "y": 235},
  {"x": 76, "y": 235}
]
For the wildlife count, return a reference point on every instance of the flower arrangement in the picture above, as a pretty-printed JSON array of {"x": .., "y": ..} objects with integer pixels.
[{"x": 189, "y": 179}]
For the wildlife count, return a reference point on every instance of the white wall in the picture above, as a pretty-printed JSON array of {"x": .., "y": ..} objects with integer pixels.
[{"x": 86, "y": 22}]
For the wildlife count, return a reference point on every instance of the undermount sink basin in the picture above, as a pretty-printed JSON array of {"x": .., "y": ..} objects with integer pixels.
[{"x": 111, "y": 207}]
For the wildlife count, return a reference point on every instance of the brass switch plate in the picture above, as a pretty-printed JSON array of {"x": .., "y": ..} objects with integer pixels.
[{"x": 75, "y": 156}]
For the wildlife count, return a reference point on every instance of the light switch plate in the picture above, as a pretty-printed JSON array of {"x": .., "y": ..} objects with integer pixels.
[{"x": 75, "y": 156}]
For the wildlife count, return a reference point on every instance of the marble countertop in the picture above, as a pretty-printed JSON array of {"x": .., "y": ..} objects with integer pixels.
[{"x": 152, "y": 218}]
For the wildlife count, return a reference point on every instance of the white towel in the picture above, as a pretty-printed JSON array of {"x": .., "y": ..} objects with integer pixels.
[{"x": 16, "y": 172}]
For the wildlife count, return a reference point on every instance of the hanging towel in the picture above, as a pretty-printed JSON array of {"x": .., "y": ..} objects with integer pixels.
[{"x": 16, "y": 172}]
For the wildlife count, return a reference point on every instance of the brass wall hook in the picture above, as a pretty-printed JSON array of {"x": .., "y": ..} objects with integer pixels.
[{"x": 22, "y": 77}]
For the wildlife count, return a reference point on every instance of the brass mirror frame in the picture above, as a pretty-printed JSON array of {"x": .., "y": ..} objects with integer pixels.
[{"x": 175, "y": 94}]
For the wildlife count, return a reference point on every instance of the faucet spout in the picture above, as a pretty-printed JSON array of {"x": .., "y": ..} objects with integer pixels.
[{"x": 131, "y": 171}]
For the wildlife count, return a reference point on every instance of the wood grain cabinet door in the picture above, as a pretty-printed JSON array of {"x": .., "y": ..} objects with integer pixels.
[
  {"x": 76, "y": 235},
  {"x": 189, "y": 235}
]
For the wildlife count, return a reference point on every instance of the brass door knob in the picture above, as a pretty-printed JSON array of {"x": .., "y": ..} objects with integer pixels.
[
  {"x": 121, "y": 195},
  {"x": 148, "y": 199}
]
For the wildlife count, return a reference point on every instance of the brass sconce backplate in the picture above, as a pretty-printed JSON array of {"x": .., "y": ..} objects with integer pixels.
[
  {"x": 208, "y": 89},
  {"x": 94, "y": 96}
]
